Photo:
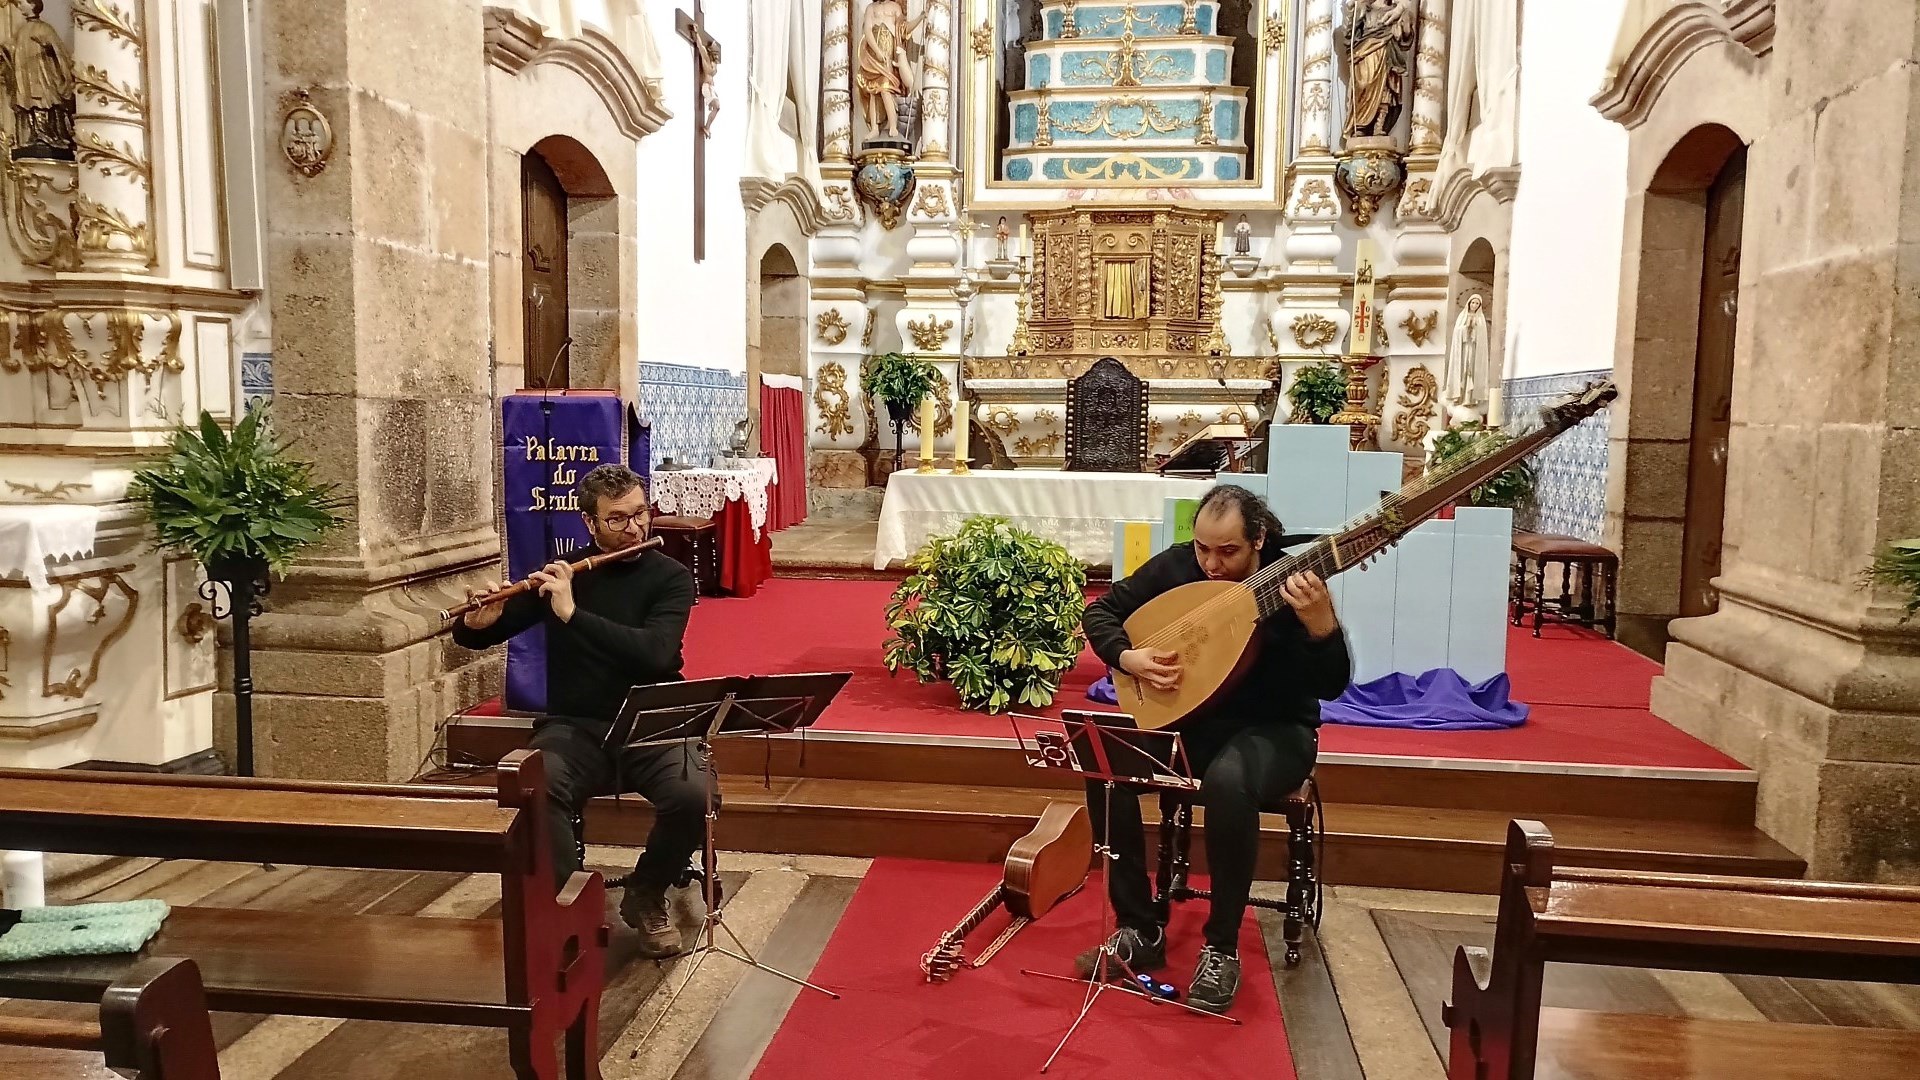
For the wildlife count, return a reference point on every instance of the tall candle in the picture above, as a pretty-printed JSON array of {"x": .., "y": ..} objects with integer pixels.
[
  {"x": 962, "y": 421},
  {"x": 926, "y": 434},
  {"x": 1024, "y": 248}
]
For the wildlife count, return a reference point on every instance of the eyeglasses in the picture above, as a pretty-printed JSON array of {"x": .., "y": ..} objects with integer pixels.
[{"x": 619, "y": 522}]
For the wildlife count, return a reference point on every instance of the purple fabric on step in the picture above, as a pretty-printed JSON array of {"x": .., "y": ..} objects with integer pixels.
[
  {"x": 1438, "y": 700},
  {"x": 1103, "y": 691}
]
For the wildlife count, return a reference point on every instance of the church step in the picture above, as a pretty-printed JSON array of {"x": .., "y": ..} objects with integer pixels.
[
  {"x": 1452, "y": 849},
  {"x": 1509, "y": 789}
]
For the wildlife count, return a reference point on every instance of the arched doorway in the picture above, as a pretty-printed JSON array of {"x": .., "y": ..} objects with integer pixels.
[
  {"x": 543, "y": 274},
  {"x": 569, "y": 268},
  {"x": 783, "y": 314},
  {"x": 1670, "y": 507}
]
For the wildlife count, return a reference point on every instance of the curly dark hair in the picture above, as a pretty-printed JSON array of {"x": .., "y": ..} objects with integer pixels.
[
  {"x": 1255, "y": 514},
  {"x": 607, "y": 482}
]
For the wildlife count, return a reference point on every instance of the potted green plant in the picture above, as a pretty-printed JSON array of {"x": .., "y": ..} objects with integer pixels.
[
  {"x": 1897, "y": 566},
  {"x": 1318, "y": 391},
  {"x": 242, "y": 507},
  {"x": 898, "y": 381},
  {"x": 1512, "y": 489},
  {"x": 992, "y": 609}
]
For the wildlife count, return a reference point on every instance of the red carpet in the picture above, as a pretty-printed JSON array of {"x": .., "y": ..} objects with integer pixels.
[
  {"x": 1589, "y": 695},
  {"x": 996, "y": 1022}
]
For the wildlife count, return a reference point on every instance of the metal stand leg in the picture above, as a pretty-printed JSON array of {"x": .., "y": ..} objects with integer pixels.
[
  {"x": 1099, "y": 984},
  {"x": 715, "y": 921}
]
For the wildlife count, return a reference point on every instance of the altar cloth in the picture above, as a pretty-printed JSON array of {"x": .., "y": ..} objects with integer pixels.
[{"x": 1076, "y": 509}]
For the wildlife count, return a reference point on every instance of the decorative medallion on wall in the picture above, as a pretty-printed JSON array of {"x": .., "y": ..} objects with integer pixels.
[
  {"x": 831, "y": 401},
  {"x": 839, "y": 203},
  {"x": 1001, "y": 419},
  {"x": 1369, "y": 172},
  {"x": 1415, "y": 418},
  {"x": 1316, "y": 197},
  {"x": 306, "y": 138},
  {"x": 831, "y": 327},
  {"x": 1419, "y": 328},
  {"x": 933, "y": 201},
  {"x": 930, "y": 335},
  {"x": 1311, "y": 331},
  {"x": 1273, "y": 32},
  {"x": 982, "y": 41}
]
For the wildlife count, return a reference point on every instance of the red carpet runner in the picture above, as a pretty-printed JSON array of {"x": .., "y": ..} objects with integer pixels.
[
  {"x": 1589, "y": 695},
  {"x": 996, "y": 1022}
]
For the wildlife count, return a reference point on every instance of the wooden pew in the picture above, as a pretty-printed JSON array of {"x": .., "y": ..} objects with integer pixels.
[
  {"x": 536, "y": 971},
  {"x": 153, "y": 1025},
  {"x": 1687, "y": 922}
]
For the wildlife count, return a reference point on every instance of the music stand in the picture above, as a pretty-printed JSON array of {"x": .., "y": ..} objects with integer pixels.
[
  {"x": 1107, "y": 747},
  {"x": 700, "y": 711}
]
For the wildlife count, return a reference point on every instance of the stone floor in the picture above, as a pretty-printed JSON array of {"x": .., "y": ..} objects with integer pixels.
[{"x": 828, "y": 545}]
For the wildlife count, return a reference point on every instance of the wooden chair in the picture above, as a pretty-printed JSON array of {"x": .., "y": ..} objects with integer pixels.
[
  {"x": 1302, "y": 905},
  {"x": 693, "y": 542},
  {"x": 1688, "y": 922},
  {"x": 1590, "y": 605},
  {"x": 1106, "y": 419},
  {"x": 536, "y": 971},
  {"x": 153, "y": 1025}
]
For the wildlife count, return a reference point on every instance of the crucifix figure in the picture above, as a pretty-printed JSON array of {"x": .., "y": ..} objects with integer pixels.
[{"x": 706, "y": 105}]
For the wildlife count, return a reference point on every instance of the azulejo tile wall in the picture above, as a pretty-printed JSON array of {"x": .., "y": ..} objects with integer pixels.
[
  {"x": 692, "y": 410},
  {"x": 256, "y": 380},
  {"x": 1571, "y": 496}
]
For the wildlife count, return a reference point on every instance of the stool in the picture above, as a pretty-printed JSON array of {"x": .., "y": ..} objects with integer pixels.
[
  {"x": 1599, "y": 571},
  {"x": 1302, "y": 905},
  {"x": 695, "y": 544}
]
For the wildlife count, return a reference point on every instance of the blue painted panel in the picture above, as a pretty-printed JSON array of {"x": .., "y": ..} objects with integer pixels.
[
  {"x": 1121, "y": 167},
  {"x": 1307, "y": 478},
  {"x": 1054, "y": 21},
  {"x": 1423, "y": 599},
  {"x": 1112, "y": 20},
  {"x": 1226, "y": 168},
  {"x": 1477, "y": 626},
  {"x": 1019, "y": 169},
  {"x": 1216, "y": 66},
  {"x": 1026, "y": 123},
  {"x": 1226, "y": 121},
  {"x": 1039, "y": 70}
]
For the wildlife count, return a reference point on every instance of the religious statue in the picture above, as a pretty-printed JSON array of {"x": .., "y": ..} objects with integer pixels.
[
  {"x": 709, "y": 107},
  {"x": 1379, "y": 42},
  {"x": 1000, "y": 238},
  {"x": 883, "y": 76},
  {"x": 1242, "y": 237},
  {"x": 41, "y": 86},
  {"x": 1467, "y": 352}
]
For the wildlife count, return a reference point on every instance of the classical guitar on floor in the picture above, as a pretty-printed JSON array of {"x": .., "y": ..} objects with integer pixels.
[{"x": 1043, "y": 868}]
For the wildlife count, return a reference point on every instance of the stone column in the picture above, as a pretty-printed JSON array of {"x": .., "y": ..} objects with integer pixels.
[
  {"x": 836, "y": 81},
  {"x": 1430, "y": 81},
  {"x": 936, "y": 78},
  {"x": 113, "y": 204}
]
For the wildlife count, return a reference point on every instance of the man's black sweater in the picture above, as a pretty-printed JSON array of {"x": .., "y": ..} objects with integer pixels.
[
  {"x": 1291, "y": 676},
  {"x": 628, "y": 621}
]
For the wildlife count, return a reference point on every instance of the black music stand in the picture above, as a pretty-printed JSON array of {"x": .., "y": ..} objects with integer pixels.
[
  {"x": 700, "y": 711},
  {"x": 1109, "y": 748}
]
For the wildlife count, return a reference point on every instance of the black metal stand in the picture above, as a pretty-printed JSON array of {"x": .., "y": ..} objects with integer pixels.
[{"x": 243, "y": 582}]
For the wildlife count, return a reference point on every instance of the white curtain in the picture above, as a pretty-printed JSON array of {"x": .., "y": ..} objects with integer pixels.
[
  {"x": 805, "y": 77},
  {"x": 786, "y": 58},
  {"x": 1483, "y": 87}
]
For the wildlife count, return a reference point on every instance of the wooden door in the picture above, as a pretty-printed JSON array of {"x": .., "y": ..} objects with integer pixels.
[
  {"x": 1713, "y": 390},
  {"x": 543, "y": 273}
]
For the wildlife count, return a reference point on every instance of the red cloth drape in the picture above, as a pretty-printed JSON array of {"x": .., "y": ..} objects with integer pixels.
[
  {"x": 783, "y": 437},
  {"x": 744, "y": 561}
]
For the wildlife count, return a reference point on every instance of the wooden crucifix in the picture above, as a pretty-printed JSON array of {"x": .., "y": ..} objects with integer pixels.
[{"x": 706, "y": 105}]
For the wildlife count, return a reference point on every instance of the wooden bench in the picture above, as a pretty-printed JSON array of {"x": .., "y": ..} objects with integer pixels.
[
  {"x": 536, "y": 971},
  {"x": 1688, "y": 922},
  {"x": 1588, "y": 602},
  {"x": 153, "y": 1025}
]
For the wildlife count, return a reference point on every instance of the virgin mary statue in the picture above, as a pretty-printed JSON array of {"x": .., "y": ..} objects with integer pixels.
[{"x": 1467, "y": 351}]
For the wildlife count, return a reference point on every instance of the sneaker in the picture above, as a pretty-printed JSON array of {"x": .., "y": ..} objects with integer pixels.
[
  {"x": 1215, "y": 980},
  {"x": 1132, "y": 948},
  {"x": 644, "y": 907}
]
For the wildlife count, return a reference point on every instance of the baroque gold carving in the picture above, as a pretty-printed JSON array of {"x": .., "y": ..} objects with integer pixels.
[
  {"x": 942, "y": 403},
  {"x": 831, "y": 401},
  {"x": 42, "y": 230},
  {"x": 1312, "y": 330},
  {"x": 831, "y": 328},
  {"x": 1047, "y": 418},
  {"x": 1151, "y": 117},
  {"x": 1316, "y": 196},
  {"x": 135, "y": 340},
  {"x": 1001, "y": 419},
  {"x": 982, "y": 41},
  {"x": 1047, "y": 445},
  {"x": 1416, "y": 197},
  {"x": 866, "y": 334},
  {"x": 56, "y": 493},
  {"x": 1144, "y": 367},
  {"x": 929, "y": 335},
  {"x": 1273, "y": 32},
  {"x": 1420, "y": 329},
  {"x": 839, "y": 202},
  {"x": 98, "y": 589},
  {"x": 194, "y": 624},
  {"x": 933, "y": 201},
  {"x": 1415, "y": 418}
]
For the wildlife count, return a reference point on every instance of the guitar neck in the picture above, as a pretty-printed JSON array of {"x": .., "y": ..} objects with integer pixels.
[{"x": 979, "y": 913}]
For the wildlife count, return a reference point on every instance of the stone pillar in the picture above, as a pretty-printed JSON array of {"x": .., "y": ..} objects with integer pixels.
[
  {"x": 381, "y": 344},
  {"x": 836, "y": 81},
  {"x": 113, "y": 204},
  {"x": 936, "y": 78}
]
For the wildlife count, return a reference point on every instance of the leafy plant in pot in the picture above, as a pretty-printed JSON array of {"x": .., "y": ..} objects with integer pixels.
[
  {"x": 992, "y": 609},
  {"x": 1897, "y": 566},
  {"x": 899, "y": 381},
  {"x": 1512, "y": 489},
  {"x": 242, "y": 507},
  {"x": 1318, "y": 391}
]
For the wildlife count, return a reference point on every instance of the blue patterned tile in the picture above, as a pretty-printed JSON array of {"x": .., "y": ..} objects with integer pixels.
[
  {"x": 692, "y": 410},
  {"x": 1571, "y": 496},
  {"x": 256, "y": 380}
]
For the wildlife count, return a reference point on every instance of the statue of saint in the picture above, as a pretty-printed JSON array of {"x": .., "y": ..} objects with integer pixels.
[
  {"x": 1242, "y": 237},
  {"x": 1379, "y": 42},
  {"x": 42, "y": 87},
  {"x": 1467, "y": 352},
  {"x": 882, "y": 75},
  {"x": 1000, "y": 238}
]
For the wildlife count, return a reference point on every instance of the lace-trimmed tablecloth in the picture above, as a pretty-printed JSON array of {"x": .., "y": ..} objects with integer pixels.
[
  {"x": 702, "y": 492},
  {"x": 1076, "y": 509},
  {"x": 32, "y": 536}
]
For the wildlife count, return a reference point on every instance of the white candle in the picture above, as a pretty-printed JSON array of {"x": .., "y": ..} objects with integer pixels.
[
  {"x": 962, "y": 420},
  {"x": 926, "y": 433},
  {"x": 1024, "y": 247}
]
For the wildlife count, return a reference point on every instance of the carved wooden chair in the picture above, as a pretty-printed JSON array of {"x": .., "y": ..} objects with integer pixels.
[{"x": 1106, "y": 419}]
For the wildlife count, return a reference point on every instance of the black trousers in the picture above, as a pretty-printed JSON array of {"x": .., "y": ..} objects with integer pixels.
[
  {"x": 672, "y": 778},
  {"x": 1253, "y": 767}
]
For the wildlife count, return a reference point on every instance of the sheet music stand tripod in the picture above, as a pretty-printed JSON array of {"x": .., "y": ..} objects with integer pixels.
[
  {"x": 1112, "y": 752},
  {"x": 699, "y": 712}
]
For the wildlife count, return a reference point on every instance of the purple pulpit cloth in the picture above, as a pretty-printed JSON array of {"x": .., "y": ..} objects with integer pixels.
[
  {"x": 1438, "y": 700},
  {"x": 1103, "y": 691}
]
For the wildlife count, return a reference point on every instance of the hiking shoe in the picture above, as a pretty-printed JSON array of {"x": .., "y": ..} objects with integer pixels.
[
  {"x": 1134, "y": 950},
  {"x": 644, "y": 907},
  {"x": 1215, "y": 980}
]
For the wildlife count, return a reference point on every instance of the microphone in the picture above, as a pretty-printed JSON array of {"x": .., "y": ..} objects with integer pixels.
[{"x": 546, "y": 379}]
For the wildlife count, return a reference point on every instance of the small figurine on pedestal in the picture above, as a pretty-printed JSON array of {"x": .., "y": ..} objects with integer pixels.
[{"x": 1242, "y": 237}]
